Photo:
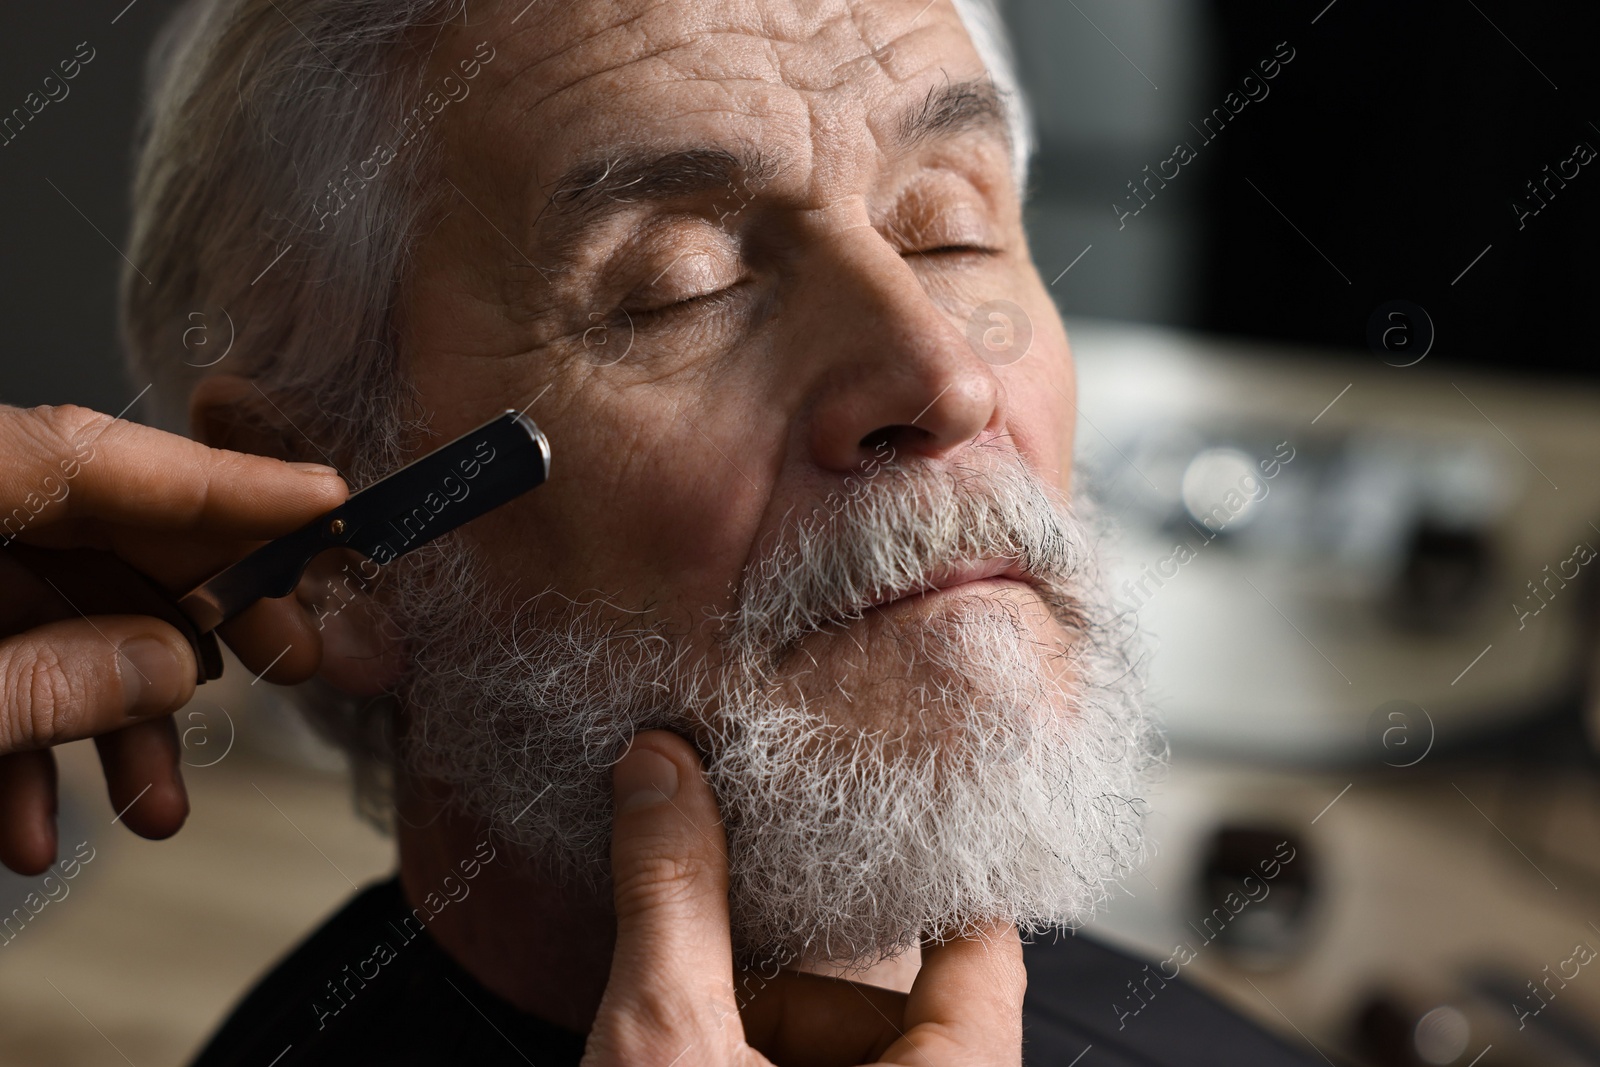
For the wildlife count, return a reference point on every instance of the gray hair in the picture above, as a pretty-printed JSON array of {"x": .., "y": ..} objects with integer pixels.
[{"x": 256, "y": 113}]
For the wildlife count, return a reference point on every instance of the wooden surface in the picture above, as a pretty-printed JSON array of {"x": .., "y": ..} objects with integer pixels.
[{"x": 154, "y": 941}]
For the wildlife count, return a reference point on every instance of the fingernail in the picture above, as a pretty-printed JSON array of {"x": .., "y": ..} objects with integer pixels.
[
  {"x": 320, "y": 469},
  {"x": 149, "y": 671},
  {"x": 644, "y": 778}
]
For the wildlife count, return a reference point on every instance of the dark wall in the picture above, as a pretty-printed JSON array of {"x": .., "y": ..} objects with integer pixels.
[
  {"x": 1397, "y": 144},
  {"x": 63, "y": 187}
]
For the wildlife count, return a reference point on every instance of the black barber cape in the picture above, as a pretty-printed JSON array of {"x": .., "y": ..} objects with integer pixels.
[{"x": 398, "y": 998}]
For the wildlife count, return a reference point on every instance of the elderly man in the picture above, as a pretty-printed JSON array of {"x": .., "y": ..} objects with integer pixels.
[{"x": 765, "y": 727}]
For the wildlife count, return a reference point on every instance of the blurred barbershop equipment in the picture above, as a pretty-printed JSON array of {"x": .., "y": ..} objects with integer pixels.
[{"x": 1340, "y": 404}]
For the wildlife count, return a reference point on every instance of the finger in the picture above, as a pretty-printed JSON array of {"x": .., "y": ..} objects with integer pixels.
[
  {"x": 75, "y": 462},
  {"x": 80, "y": 677},
  {"x": 671, "y": 985},
  {"x": 966, "y": 1004},
  {"x": 276, "y": 640},
  {"x": 143, "y": 778},
  {"x": 811, "y": 1020},
  {"x": 28, "y": 811},
  {"x": 330, "y": 626}
]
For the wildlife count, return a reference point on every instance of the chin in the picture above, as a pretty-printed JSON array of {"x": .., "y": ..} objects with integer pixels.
[
  {"x": 921, "y": 666},
  {"x": 947, "y": 776}
]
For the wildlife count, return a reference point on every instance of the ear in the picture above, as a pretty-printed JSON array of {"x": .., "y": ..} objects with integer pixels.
[
  {"x": 229, "y": 411},
  {"x": 361, "y": 653}
]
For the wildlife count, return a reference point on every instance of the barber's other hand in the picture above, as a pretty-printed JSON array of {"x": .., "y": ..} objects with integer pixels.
[
  {"x": 672, "y": 999},
  {"x": 174, "y": 509}
]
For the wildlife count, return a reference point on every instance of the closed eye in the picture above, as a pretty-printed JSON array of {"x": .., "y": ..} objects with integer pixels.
[
  {"x": 943, "y": 250},
  {"x": 954, "y": 255},
  {"x": 663, "y": 312}
]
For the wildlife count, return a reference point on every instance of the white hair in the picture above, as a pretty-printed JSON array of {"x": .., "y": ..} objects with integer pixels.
[{"x": 255, "y": 110}]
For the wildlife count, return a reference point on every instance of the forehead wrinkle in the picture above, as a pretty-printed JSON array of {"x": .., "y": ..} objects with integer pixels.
[
  {"x": 509, "y": 120},
  {"x": 825, "y": 87},
  {"x": 760, "y": 31},
  {"x": 761, "y": 27},
  {"x": 857, "y": 51},
  {"x": 544, "y": 27},
  {"x": 776, "y": 50},
  {"x": 766, "y": 30}
]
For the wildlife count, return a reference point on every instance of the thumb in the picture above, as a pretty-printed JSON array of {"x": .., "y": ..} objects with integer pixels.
[{"x": 671, "y": 984}]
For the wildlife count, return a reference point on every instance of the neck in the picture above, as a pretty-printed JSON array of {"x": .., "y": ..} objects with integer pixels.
[{"x": 543, "y": 947}]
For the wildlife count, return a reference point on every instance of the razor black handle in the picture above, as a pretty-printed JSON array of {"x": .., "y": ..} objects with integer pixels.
[{"x": 450, "y": 486}]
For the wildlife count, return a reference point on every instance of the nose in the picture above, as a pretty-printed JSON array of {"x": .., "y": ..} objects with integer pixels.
[{"x": 897, "y": 371}]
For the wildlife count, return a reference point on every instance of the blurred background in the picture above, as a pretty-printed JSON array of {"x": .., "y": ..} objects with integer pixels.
[{"x": 1328, "y": 272}]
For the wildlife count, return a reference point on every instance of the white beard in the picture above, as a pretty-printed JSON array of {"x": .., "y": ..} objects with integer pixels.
[{"x": 1007, "y": 787}]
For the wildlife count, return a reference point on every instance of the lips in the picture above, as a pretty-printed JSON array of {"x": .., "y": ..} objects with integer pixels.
[{"x": 955, "y": 576}]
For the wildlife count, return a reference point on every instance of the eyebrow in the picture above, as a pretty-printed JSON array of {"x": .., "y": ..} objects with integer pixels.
[
  {"x": 954, "y": 108},
  {"x": 637, "y": 175}
]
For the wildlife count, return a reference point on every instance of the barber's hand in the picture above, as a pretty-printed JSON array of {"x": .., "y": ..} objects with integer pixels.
[
  {"x": 175, "y": 510},
  {"x": 672, "y": 999}
]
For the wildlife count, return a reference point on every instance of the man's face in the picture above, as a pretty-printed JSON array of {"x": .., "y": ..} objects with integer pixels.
[
  {"x": 728, "y": 252},
  {"x": 728, "y": 256}
]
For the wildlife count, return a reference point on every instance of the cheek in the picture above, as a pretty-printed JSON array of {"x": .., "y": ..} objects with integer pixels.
[
  {"x": 693, "y": 516},
  {"x": 653, "y": 496},
  {"x": 1041, "y": 394},
  {"x": 642, "y": 507}
]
